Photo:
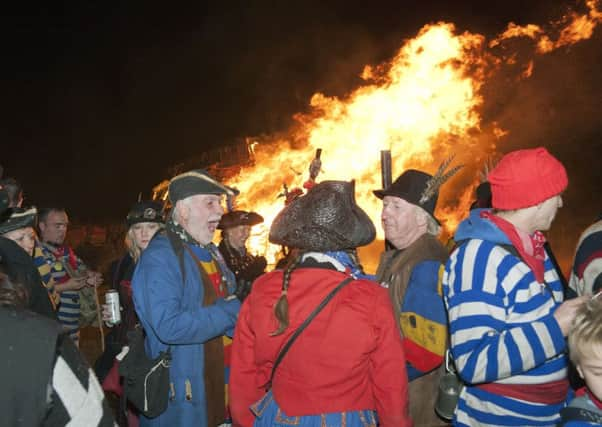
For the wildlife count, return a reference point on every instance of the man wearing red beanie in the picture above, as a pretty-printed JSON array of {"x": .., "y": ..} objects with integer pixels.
[{"x": 508, "y": 321}]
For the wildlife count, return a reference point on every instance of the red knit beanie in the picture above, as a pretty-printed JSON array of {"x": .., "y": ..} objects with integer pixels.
[{"x": 525, "y": 178}]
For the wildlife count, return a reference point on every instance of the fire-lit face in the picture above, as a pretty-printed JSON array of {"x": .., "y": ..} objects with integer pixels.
[
  {"x": 403, "y": 223},
  {"x": 200, "y": 215},
  {"x": 54, "y": 228},
  {"x": 237, "y": 236},
  {"x": 590, "y": 369},
  {"x": 143, "y": 232},
  {"x": 546, "y": 212},
  {"x": 24, "y": 237}
]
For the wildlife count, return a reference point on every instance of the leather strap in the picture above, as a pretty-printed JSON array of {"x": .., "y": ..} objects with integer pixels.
[{"x": 300, "y": 329}]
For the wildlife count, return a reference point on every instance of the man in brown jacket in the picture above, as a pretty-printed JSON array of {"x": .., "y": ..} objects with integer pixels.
[{"x": 412, "y": 271}]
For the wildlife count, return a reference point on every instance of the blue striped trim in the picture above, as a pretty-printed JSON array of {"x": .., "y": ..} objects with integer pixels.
[{"x": 500, "y": 289}]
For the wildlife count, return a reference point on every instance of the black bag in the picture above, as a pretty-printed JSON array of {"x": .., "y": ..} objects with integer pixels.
[{"x": 145, "y": 381}]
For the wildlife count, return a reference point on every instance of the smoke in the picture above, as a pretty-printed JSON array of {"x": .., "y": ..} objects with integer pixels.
[{"x": 557, "y": 105}]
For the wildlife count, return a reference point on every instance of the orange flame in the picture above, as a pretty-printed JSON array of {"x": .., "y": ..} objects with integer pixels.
[
  {"x": 571, "y": 29},
  {"x": 420, "y": 105},
  {"x": 423, "y": 105}
]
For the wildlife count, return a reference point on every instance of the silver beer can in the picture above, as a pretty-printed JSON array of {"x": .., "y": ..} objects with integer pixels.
[{"x": 112, "y": 300}]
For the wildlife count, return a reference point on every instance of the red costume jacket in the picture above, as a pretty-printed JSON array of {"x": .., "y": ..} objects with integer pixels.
[{"x": 350, "y": 357}]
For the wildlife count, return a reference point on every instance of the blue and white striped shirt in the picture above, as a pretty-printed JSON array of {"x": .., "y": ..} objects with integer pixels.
[{"x": 502, "y": 328}]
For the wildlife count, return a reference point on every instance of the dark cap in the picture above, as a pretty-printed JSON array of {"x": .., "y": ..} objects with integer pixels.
[
  {"x": 145, "y": 211},
  {"x": 410, "y": 186},
  {"x": 194, "y": 182},
  {"x": 235, "y": 218},
  {"x": 16, "y": 218}
]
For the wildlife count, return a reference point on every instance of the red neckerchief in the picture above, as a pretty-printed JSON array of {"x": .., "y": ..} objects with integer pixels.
[
  {"x": 530, "y": 247},
  {"x": 583, "y": 391},
  {"x": 65, "y": 251}
]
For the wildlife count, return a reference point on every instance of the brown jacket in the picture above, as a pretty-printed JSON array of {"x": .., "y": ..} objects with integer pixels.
[{"x": 395, "y": 269}]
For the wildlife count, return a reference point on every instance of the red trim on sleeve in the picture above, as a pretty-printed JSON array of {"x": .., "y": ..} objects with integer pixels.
[{"x": 419, "y": 357}]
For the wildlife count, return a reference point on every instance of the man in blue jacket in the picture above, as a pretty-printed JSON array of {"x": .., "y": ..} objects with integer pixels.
[{"x": 182, "y": 296}]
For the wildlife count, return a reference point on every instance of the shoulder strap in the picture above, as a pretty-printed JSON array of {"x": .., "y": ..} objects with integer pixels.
[{"x": 300, "y": 329}]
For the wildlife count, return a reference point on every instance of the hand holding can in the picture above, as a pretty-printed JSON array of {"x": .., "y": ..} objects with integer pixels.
[{"x": 113, "y": 308}]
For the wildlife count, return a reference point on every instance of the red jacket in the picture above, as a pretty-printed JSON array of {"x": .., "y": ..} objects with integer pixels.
[{"x": 350, "y": 357}]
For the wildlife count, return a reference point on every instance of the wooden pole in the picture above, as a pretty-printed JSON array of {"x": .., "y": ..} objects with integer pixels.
[{"x": 99, "y": 318}]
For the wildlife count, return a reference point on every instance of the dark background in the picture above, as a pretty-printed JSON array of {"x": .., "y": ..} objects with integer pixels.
[{"x": 100, "y": 98}]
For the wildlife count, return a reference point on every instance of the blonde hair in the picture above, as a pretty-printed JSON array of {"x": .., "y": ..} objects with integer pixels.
[
  {"x": 130, "y": 242},
  {"x": 586, "y": 333}
]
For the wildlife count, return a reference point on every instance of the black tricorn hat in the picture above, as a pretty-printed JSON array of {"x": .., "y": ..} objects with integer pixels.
[
  {"x": 16, "y": 218},
  {"x": 411, "y": 186},
  {"x": 234, "y": 218},
  {"x": 194, "y": 182},
  {"x": 327, "y": 218},
  {"x": 145, "y": 211}
]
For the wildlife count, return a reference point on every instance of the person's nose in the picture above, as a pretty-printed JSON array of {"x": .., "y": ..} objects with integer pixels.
[{"x": 384, "y": 214}]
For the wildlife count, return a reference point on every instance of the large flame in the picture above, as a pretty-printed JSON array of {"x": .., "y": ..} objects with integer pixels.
[
  {"x": 423, "y": 105},
  {"x": 417, "y": 105}
]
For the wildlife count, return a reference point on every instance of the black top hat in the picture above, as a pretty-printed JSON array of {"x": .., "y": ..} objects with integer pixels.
[
  {"x": 196, "y": 181},
  {"x": 411, "y": 186},
  {"x": 327, "y": 218},
  {"x": 16, "y": 218},
  {"x": 145, "y": 211},
  {"x": 234, "y": 218}
]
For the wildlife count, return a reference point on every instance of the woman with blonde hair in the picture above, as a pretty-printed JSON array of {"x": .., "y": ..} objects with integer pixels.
[{"x": 144, "y": 220}]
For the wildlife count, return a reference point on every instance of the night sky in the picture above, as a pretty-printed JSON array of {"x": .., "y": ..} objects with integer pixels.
[{"x": 100, "y": 98}]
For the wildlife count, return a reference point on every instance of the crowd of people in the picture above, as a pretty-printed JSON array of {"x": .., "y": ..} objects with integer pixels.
[{"x": 315, "y": 340}]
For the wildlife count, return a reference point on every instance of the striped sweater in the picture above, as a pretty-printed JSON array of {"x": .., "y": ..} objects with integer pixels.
[
  {"x": 54, "y": 271},
  {"x": 45, "y": 271},
  {"x": 586, "y": 274},
  {"x": 502, "y": 327}
]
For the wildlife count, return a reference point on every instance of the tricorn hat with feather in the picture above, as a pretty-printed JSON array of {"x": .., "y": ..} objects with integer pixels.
[
  {"x": 327, "y": 218},
  {"x": 420, "y": 188}
]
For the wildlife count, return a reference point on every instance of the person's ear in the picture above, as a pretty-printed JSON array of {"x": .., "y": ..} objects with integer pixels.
[
  {"x": 421, "y": 219},
  {"x": 183, "y": 211},
  {"x": 579, "y": 370}
]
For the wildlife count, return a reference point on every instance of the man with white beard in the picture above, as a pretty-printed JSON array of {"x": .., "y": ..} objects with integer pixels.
[{"x": 182, "y": 294}]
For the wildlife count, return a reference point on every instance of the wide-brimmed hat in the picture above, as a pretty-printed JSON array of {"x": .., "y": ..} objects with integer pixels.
[
  {"x": 327, "y": 218},
  {"x": 235, "y": 218},
  {"x": 194, "y": 182},
  {"x": 145, "y": 211},
  {"x": 410, "y": 186},
  {"x": 16, "y": 218}
]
